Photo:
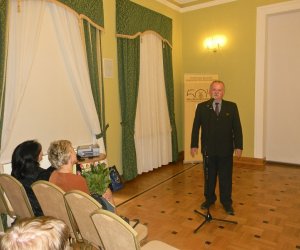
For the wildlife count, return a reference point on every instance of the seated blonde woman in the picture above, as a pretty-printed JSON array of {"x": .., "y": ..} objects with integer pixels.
[
  {"x": 45, "y": 233},
  {"x": 62, "y": 156}
]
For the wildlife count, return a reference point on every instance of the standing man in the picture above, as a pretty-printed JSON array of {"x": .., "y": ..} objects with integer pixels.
[{"x": 221, "y": 135}]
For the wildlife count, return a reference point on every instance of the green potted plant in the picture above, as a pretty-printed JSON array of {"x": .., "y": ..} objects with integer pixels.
[{"x": 97, "y": 177}]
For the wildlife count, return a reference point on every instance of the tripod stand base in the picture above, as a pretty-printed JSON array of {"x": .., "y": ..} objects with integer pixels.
[{"x": 208, "y": 218}]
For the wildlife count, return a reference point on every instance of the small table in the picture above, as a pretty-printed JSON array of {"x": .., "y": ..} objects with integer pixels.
[{"x": 85, "y": 160}]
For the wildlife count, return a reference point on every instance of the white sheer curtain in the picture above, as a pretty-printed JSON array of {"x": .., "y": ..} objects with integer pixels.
[
  {"x": 24, "y": 30},
  {"x": 152, "y": 125},
  {"x": 72, "y": 49},
  {"x": 24, "y": 38}
]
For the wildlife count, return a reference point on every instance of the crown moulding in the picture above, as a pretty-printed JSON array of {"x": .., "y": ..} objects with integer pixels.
[{"x": 190, "y": 5}]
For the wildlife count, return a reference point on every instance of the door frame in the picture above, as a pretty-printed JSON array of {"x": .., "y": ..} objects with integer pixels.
[{"x": 260, "y": 71}]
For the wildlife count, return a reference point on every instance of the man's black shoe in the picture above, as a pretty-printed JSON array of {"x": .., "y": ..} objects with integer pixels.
[
  {"x": 229, "y": 210},
  {"x": 206, "y": 205}
]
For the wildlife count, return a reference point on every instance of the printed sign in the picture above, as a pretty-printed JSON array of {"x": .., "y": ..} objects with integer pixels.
[{"x": 196, "y": 90}]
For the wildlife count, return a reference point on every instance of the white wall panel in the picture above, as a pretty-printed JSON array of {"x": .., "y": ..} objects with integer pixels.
[{"x": 283, "y": 88}]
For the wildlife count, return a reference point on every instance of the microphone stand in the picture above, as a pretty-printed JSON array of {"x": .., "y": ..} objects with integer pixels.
[{"x": 208, "y": 217}]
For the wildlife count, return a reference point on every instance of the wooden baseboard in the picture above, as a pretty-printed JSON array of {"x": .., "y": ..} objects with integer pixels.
[
  {"x": 249, "y": 162},
  {"x": 242, "y": 162}
]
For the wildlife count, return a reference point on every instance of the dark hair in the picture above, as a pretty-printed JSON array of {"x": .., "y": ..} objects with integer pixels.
[{"x": 25, "y": 159}]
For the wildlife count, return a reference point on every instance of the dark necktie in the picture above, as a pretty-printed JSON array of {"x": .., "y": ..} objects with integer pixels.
[{"x": 217, "y": 110}]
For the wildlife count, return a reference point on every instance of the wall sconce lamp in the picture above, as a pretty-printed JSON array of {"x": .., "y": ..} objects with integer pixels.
[{"x": 215, "y": 43}]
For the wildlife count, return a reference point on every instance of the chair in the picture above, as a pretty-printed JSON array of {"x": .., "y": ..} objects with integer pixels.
[
  {"x": 5, "y": 209},
  {"x": 16, "y": 196},
  {"x": 52, "y": 202},
  {"x": 117, "y": 234},
  {"x": 81, "y": 206}
]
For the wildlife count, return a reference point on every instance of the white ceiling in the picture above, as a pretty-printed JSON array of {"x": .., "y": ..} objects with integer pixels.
[{"x": 189, "y": 5}]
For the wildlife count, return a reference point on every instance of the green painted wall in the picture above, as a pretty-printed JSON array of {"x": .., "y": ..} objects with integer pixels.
[
  {"x": 111, "y": 87},
  {"x": 235, "y": 63}
]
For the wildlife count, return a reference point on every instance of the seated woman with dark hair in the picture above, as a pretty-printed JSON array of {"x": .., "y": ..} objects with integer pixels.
[{"x": 26, "y": 168}]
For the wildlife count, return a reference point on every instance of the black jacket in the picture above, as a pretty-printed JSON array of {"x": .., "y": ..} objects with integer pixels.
[
  {"x": 41, "y": 174},
  {"x": 220, "y": 135}
]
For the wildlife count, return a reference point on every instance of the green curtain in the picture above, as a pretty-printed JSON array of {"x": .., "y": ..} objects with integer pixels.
[
  {"x": 93, "y": 43},
  {"x": 131, "y": 20},
  {"x": 3, "y": 16},
  {"x": 128, "y": 69},
  {"x": 168, "y": 74}
]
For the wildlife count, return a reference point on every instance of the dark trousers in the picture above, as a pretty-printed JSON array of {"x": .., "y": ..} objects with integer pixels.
[{"x": 221, "y": 168}]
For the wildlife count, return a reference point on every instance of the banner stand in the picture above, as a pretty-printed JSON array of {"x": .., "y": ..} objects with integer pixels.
[{"x": 196, "y": 90}]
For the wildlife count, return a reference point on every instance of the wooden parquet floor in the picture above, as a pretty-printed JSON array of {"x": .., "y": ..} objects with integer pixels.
[{"x": 266, "y": 204}]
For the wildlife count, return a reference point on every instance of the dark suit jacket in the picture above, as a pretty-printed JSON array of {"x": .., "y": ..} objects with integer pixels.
[{"x": 220, "y": 135}]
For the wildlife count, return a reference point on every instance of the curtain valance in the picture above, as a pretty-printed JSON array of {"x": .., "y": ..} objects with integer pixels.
[
  {"x": 93, "y": 9},
  {"x": 133, "y": 19}
]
